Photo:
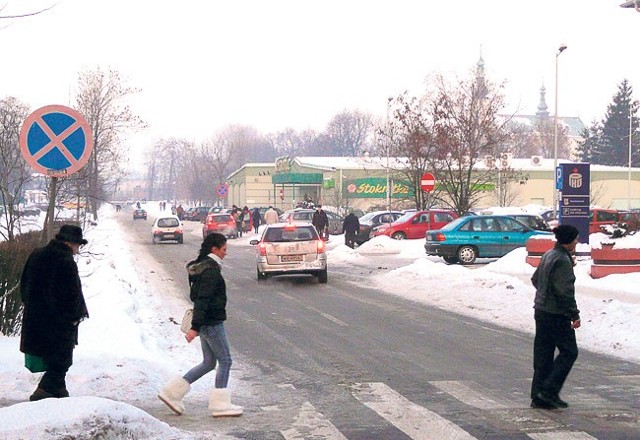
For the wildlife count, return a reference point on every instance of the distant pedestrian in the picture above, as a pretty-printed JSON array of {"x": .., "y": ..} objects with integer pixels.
[
  {"x": 557, "y": 316},
  {"x": 350, "y": 226},
  {"x": 321, "y": 222},
  {"x": 209, "y": 295},
  {"x": 180, "y": 212},
  {"x": 54, "y": 305},
  {"x": 237, "y": 217},
  {"x": 271, "y": 216},
  {"x": 255, "y": 219}
]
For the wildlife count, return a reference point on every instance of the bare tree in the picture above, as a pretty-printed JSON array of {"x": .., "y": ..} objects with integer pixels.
[
  {"x": 538, "y": 139},
  {"x": 349, "y": 133},
  {"x": 466, "y": 128},
  {"x": 14, "y": 171},
  {"x": 99, "y": 100}
]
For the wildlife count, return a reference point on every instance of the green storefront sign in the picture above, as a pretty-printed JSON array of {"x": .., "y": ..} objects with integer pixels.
[{"x": 376, "y": 188}]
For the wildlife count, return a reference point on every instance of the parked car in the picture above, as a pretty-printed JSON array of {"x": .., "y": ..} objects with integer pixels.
[
  {"x": 139, "y": 213},
  {"x": 221, "y": 223},
  {"x": 550, "y": 217},
  {"x": 631, "y": 219},
  {"x": 167, "y": 227},
  {"x": 414, "y": 224},
  {"x": 373, "y": 219},
  {"x": 484, "y": 236},
  {"x": 533, "y": 221},
  {"x": 289, "y": 248},
  {"x": 304, "y": 216},
  {"x": 601, "y": 217},
  {"x": 197, "y": 214}
]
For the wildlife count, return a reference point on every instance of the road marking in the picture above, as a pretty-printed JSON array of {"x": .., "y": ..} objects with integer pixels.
[
  {"x": 310, "y": 423},
  {"x": 561, "y": 435},
  {"x": 329, "y": 317},
  {"x": 467, "y": 395},
  {"x": 416, "y": 421}
]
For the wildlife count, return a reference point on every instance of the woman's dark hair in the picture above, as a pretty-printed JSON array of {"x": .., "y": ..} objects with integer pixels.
[{"x": 212, "y": 240}]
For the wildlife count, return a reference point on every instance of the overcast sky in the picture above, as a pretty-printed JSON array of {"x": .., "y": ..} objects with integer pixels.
[{"x": 202, "y": 64}]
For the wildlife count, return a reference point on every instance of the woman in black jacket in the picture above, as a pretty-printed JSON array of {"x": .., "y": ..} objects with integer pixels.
[{"x": 209, "y": 295}]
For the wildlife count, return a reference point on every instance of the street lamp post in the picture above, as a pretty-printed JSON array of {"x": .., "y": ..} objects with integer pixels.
[
  {"x": 629, "y": 179},
  {"x": 555, "y": 136}
]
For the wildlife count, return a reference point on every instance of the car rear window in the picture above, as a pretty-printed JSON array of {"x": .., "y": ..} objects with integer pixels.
[
  {"x": 168, "y": 223},
  {"x": 222, "y": 218},
  {"x": 301, "y": 233}
]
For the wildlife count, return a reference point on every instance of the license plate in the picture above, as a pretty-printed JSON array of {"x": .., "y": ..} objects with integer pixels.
[
  {"x": 168, "y": 235},
  {"x": 290, "y": 258}
]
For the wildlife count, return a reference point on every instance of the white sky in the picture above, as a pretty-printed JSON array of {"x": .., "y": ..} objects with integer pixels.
[
  {"x": 129, "y": 338},
  {"x": 202, "y": 64}
]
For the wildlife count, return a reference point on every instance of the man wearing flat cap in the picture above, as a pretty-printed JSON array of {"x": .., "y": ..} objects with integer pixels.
[
  {"x": 557, "y": 316},
  {"x": 54, "y": 305}
]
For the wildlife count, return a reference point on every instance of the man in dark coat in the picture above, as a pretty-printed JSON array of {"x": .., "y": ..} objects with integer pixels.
[
  {"x": 320, "y": 221},
  {"x": 255, "y": 219},
  {"x": 54, "y": 305},
  {"x": 557, "y": 316},
  {"x": 351, "y": 226}
]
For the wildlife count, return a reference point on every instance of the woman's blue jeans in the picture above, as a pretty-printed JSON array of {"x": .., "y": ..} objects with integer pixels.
[{"x": 215, "y": 347}]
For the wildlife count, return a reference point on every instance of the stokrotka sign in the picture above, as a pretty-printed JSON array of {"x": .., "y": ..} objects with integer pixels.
[{"x": 375, "y": 188}]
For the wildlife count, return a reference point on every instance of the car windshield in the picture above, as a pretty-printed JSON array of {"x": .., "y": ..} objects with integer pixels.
[
  {"x": 405, "y": 217},
  {"x": 285, "y": 234},
  {"x": 454, "y": 224}
]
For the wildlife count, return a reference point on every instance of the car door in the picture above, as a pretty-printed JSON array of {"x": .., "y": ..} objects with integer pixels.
[
  {"x": 487, "y": 236},
  {"x": 439, "y": 219},
  {"x": 513, "y": 234},
  {"x": 417, "y": 226}
]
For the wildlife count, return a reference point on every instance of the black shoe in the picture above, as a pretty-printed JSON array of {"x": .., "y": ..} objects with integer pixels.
[
  {"x": 40, "y": 394},
  {"x": 539, "y": 404},
  {"x": 549, "y": 402},
  {"x": 561, "y": 403},
  {"x": 62, "y": 392}
]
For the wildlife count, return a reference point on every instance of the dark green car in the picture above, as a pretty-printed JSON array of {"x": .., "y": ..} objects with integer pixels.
[{"x": 484, "y": 236}]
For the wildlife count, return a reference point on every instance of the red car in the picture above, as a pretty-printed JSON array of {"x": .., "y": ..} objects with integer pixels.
[
  {"x": 415, "y": 224},
  {"x": 222, "y": 223}
]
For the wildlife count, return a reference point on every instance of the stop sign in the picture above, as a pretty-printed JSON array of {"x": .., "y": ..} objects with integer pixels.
[{"x": 427, "y": 182}]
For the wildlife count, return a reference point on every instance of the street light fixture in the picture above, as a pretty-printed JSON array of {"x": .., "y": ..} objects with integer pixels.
[{"x": 555, "y": 136}]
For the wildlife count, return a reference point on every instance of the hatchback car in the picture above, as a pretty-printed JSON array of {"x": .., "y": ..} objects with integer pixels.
[
  {"x": 484, "y": 236},
  {"x": 140, "y": 213},
  {"x": 373, "y": 219},
  {"x": 286, "y": 248},
  {"x": 304, "y": 216},
  {"x": 533, "y": 221},
  {"x": 221, "y": 223},
  {"x": 197, "y": 214},
  {"x": 415, "y": 224},
  {"x": 167, "y": 228}
]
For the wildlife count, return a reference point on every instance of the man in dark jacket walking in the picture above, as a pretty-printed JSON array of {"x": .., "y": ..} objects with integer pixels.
[
  {"x": 557, "y": 316},
  {"x": 321, "y": 222},
  {"x": 54, "y": 305},
  {"x": 350, "y": 226}
]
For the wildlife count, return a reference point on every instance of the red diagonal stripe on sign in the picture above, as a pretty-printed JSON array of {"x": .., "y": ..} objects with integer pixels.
[{"x": 56, "y": 141}]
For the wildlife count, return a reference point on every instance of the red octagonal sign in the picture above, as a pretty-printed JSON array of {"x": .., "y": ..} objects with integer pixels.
[{"x": 427, "y": 182}]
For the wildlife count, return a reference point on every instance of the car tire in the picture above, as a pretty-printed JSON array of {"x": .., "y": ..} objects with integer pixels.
[
  {"x": 399, "y": 236},
  {"x": 261, "y": 276},
  {"x": 323, "y": 277},
  {"x": 451, "y": 260},
  {"x": 467, "y": 254}
]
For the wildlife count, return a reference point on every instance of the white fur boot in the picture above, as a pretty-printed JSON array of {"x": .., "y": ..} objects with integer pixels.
[
  {"x": 220, "y": 404},
  {"x": 173, "y": 392}
]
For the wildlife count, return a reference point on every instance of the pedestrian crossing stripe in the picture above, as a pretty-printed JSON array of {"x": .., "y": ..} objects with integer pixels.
[
  {"x": 310, "y": 423},
  {"x": 416, "y": 421},
  {"x": 469, "y": 396},
  {"x": 559, "y": 435}
]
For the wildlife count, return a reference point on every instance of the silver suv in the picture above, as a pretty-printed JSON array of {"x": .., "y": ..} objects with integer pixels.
[{"x": 286, "y": 249}]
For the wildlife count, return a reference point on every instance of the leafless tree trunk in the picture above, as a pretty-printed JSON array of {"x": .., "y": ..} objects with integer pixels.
[
  {"x": 14, "y": 171},
  {"x": 98, "y": 100}
]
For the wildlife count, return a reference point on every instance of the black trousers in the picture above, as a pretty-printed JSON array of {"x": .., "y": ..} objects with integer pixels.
[
  {"x": 58, "y": 363},
  {"x": 349, "y": 239},
  {"x": 552, "y": 331}
]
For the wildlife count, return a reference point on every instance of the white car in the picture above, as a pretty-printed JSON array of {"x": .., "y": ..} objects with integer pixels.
[
  {"x": 168, "y": 227},
  {"x": 286, "y": 249}
]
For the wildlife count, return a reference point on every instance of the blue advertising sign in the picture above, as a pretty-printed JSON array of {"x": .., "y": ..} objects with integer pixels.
[{"x": 575, "y": 180}]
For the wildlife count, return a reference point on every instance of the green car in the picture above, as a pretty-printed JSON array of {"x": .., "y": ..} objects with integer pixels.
[{"x": 484, "y": 236}]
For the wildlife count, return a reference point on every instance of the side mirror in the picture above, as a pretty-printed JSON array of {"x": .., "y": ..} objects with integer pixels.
[{"x": 254, "y": 242}]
